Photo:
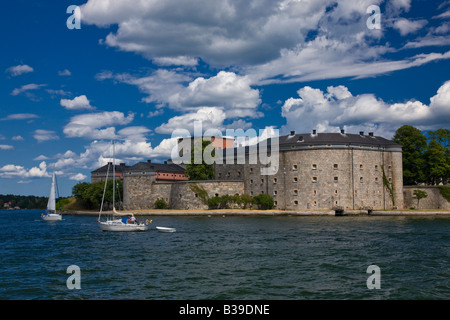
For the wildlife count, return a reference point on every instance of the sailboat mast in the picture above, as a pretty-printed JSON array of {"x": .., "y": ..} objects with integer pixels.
[{"x": 114, "y": 174}]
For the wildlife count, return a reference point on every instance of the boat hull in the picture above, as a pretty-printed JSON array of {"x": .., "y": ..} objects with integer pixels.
[
  {"x": 52, "y": 217},
  {"x": 165, "y": 229},
  {"x": 119, "y": 226}
]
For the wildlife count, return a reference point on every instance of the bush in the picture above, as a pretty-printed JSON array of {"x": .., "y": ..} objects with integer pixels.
[
  {"x": 213, "y": 203},
  {"x": 263, "y": 201},
  {"x": 161, "y": 204},
  {"x": 246, "y": 200}
]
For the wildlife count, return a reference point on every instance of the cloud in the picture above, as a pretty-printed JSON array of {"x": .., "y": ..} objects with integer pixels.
[
  {"x": 6, "y": 147},
  {"x": 269, "y": 41},
  {"x": 158, "y": 86},
  {"x": 40, "y": 158},
  {"x": 17, "y": 138},
  {"x": 44, "y": 135},
  {"x": 78, "y": 177},
  {"x": 18, "y": 70},
  {"x": 77, "y": 103},
  {"x": 176, "y": 61},
  {"x": 20, "y": 116},
  {"x": 92, "y": 125},
  {"x": 405, "y": 26},
  {"x": 15, "y": 171},
  {"x": 338, "y": 108},
  {"x": 27, "y": 87},
  {"x": 227, "y": 90},
  {"x": 211, "y": 118},
  {"x": 64, "y": 72}
]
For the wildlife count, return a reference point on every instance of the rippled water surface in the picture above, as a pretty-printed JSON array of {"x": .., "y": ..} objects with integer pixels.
[{"x": 226, "y": 258}]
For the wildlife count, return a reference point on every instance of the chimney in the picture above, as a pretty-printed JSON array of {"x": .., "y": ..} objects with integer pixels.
[
  {"x": 149, "y": 161},
  {"x": 165, "y": 162},
  {"x": 292, "y": 133},
  {"x": 361, "y": 133},
  {"x": 370, "y": 134},
  {"x": 342, "y": 131},
  {"x": 314, "y": 131}
]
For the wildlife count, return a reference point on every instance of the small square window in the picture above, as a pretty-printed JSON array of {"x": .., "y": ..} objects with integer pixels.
[
  {"x": 361, "y": 179},
  {"x": 275, "y": 192},
  {"x": 314, "y": 179},
  {"x": 296, "y": 202},
  {"x": 314, "y": 166},
  {"x": 275, "y": 180},
  {"x": 335, "y": 166},
  {"x": 295, "y": 179},
  {"x": 295, "y": 192},
  {"x": 294, "y": 167},
  {"x": 336, "y": 179}
]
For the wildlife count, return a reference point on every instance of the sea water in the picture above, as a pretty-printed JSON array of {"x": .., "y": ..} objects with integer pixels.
[{"x": 288, "y": 257}]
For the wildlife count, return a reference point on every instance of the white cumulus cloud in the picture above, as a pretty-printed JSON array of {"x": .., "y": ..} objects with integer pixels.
[{"x": 77, "y": 103}]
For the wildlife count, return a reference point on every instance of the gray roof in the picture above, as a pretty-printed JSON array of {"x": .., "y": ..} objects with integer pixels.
[
  {"x": 336, "y": 138},
  {"x": 118, "y": 168},
  {"x": 156, "y": 167},
  {"x": 323, "y": 139}
]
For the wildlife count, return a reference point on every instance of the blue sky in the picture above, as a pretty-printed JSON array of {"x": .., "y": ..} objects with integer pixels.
[{"x": 138, "y": 70}]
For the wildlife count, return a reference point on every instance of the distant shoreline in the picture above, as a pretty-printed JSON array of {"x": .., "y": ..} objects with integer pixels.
[{"x": 240, "y": 212}]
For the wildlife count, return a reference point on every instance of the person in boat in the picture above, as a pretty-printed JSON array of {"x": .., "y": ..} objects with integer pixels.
[{"x": 132, "y": 219}]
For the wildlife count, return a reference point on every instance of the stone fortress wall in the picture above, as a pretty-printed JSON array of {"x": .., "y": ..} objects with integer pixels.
[
  {"x": 311, "y": 175},
  {"x": 323, "y": 178}
]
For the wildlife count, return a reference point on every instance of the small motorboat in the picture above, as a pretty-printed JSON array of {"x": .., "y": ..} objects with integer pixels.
[{"x": 165, "y": 229}]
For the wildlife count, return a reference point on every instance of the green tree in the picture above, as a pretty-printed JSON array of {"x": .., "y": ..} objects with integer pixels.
[
  {"x": 437, "y": 163},
  {"x": 200, "y": 171},
  {"x": 419, "y": 194},
  {"x": 263, "y": 201},
  {"x": 414, "y": 144}
]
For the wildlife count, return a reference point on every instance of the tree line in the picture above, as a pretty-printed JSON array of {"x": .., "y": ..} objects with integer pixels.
[
  {"x": 426, "y": 156},
  {"x": 89, "y": 195},
  {"x": 23, "y": 202}
]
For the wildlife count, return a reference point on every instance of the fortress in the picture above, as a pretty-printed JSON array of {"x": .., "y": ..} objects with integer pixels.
[{"x": 314, "y": 171}]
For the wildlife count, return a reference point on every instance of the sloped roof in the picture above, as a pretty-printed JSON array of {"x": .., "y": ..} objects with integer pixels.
[
  {"x": 118, "y": 168},
  {"x": 321, "y": 139},
  {"x": 335, "y": 138},
  {"x": 156, "y": 167}
]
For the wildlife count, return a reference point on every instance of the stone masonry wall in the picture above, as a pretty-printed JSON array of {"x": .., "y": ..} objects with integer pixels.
[
  {"x": 323, "y": 178},
  {"x": 141, "y": 192},
  {"x": 434, "y": 200}
]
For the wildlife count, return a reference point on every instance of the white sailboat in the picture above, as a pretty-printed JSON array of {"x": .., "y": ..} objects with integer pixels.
[
  {"x": 50, "y": 214},
  {"x": 117, "y": 223}
]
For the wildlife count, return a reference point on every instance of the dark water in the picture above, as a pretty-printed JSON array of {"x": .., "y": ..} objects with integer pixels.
[{"x": 238, "y": 258}]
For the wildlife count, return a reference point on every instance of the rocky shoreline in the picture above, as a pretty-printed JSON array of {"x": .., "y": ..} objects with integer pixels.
[{"x": 237, "y": 212}]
